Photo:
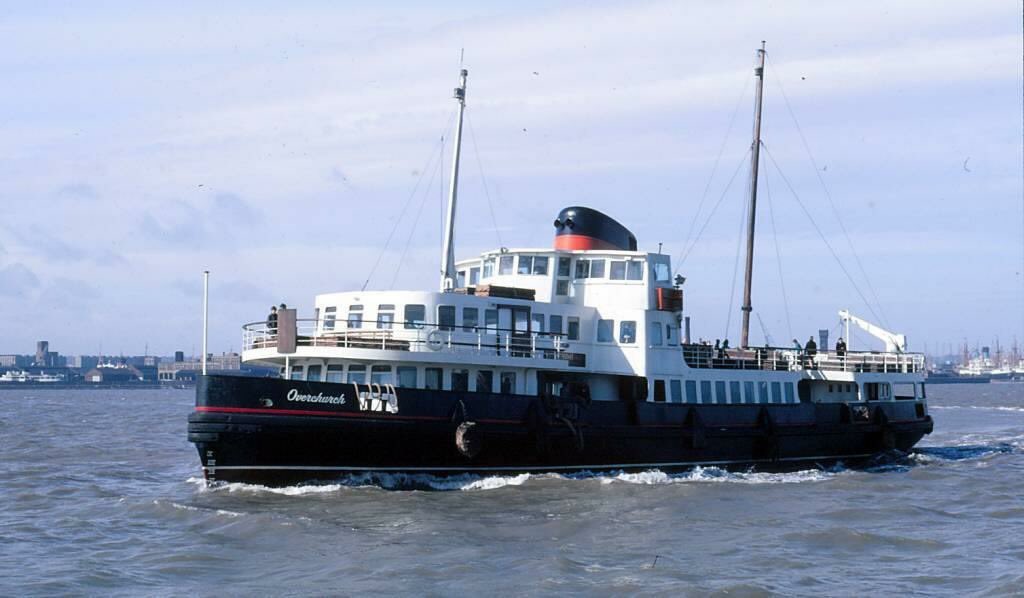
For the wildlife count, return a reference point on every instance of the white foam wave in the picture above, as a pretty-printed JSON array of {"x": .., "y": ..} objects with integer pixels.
[
  {"x": 718, "y": 475},
  {"x": 978, "y": 407}
]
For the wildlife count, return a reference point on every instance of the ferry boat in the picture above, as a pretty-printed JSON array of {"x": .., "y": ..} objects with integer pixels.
[{"x": 573, "y": 357}]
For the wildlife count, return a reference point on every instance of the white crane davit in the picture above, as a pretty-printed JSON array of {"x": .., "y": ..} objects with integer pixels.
[{"x": 894, "y": 343}]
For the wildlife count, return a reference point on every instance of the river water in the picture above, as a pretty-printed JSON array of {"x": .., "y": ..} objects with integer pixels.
[{"x": 100, "y": 493}]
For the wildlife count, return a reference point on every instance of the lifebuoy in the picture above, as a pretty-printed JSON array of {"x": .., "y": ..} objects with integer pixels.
[
  {"x": 435, "y": 340},
  {"x": 467, "y": 440}
]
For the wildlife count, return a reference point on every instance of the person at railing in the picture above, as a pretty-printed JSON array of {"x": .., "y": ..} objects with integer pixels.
[
  {"x": 811, "y": 349},
  {"x": 841, "y": 351},
  {"x": 272, "y": 321}
]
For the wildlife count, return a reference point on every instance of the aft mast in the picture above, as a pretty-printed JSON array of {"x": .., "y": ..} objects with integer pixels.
[
  {"x": 755, "y": 152},
  {"x": 448, "y": 249}
]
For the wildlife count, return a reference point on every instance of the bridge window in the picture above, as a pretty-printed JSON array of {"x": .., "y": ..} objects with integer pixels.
[
  {"x": 540, "y": 265},
  {"x": 355, "y": 316},
  {"x": 691, "y": 391},
  {"x": 460, "y": 380},
  {"x": 385, "y": 316},
  {"x": 446, "y": 317},
  {"x": 484, "y": 381},
  {"x": 330, "y": 315},
  {"x": 460, "y": 279},
  {"x": 432, "y": 378},
  {"x": 627, "y": 332},
  {"x": 491, "y": 320},
  {"x": 635, "y": 270},
  {"x": 762, "y": 392},
  {"x": 525, "y": 264},
  {"x": 537, "y": 322},
  {"x": 406, "y": 376},
  {"x": 605, "y": 330},
  {"x": 489, "y": 267},
  {"x": 474, "y": 276},
  {"x": 676, "y": 389},
  {"x": 562, "y": 288},
  {"x": 470, "y": 319},
  {"x": 776, "y": 392},
  {"x": 748, "y": 392},
  {"x": 582, "y": 268},
  {"x": 574, "y": 328},
  {"x": 357, "y": 374},
  {"x": 618, "y": 270},
  {"x": 790, "y": 398},
  {"x": 555, "y": 324},
  {"x": 655, "y": 334},
  {"x": 670, "y": 335},
  {"x": 296, "y": 372},
  {"x": 597, "y": 268},
  {"x": 720, "y": 393},
  {"x": 334, "y": 372},
  {"x": 415, "y": 316},
  {"x": 505, "y": 264},
  {"x": 564, "y": 266},
  {"x": 661, "y": 272},
  {"x": 381, "y": 374},
  {"x": 313, "y": 373}
]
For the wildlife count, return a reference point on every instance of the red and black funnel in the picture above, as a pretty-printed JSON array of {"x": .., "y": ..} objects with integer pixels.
[{"x": 583, "y": 228}]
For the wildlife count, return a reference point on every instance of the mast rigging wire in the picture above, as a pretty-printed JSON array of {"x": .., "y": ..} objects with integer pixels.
[
  {"x": 687, "y": 250},
  {"x": 778, "y": 254},
  {"x": 736, "y": 265},
  {"x": 819, "y": 231},
  {"x": 419, "y": 212},
  {"x": 718, "y": 158},
  {"x": 483, "y": 179},
  {"x": 430, "y": 160},
  {"x": 831, "y": 203}
]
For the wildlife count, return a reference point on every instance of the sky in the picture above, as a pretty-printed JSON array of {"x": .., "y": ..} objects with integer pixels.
[{"x": 300, "y": 148}]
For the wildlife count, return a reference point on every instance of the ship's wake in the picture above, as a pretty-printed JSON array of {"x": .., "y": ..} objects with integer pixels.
[{"x": 892, "y": 461}]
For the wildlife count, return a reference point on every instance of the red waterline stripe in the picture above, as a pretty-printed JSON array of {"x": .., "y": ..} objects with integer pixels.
[{"x": 257, "y": 411}]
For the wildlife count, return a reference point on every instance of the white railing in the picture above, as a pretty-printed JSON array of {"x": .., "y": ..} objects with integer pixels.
[
  {"x": 413, "y": 336},
  {"x": 769, "y": 358}
]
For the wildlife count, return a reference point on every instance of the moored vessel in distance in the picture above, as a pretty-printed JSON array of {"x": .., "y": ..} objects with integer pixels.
[{"x": 559, "y": 359}]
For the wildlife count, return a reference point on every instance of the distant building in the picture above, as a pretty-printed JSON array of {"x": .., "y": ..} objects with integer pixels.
[
  {"x": 42, "y": 351},
  {"x": 169, "y": 372},
  {"x": 15, "y": 361},
  {"x": 113, "y": 374},
  {"x": 82, "y": 362}
]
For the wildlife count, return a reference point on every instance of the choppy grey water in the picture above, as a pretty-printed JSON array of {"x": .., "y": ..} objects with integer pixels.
[{"x": 100, "y": 494}]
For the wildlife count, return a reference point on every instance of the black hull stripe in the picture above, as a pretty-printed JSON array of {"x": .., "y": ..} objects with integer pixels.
[{"x": 532, "y": 469}]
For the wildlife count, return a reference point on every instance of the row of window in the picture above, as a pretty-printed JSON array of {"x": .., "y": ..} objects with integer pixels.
[
  {"x": 408, "y": 377},
  {"x": 415, "y": 318},
  {"x": 722, "y": 392},
  {"x": 537, "y": 265}
]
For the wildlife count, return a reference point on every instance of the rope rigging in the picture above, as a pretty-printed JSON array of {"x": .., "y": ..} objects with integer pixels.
[
  {"x": 483, "y": 179},
  {"x": 778, "y": 254},
  {"x": 824, "y": 239},
  {"x": 687, "y": 250},
  {"x": 718, "y": 158},
  {"x": 419, "y": 212},
  {"x": 438, "y": 150},
  {"x": 828, "y": 195}
]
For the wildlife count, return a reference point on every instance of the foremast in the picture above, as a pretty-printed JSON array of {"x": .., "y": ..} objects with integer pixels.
[
  {"x": 448, "y": 249},
  {"x": 755, "y": 152}
]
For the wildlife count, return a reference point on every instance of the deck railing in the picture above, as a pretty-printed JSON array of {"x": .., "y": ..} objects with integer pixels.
[
  {"x": 416, "y": 337},
  {"x": 772, "y": 358}
]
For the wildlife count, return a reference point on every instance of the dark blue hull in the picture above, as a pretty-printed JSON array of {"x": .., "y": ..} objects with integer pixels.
[{"x": 273, "y": 431}]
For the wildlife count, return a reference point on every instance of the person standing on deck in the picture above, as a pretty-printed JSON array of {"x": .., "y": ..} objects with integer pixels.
[
  {"x": 272, "y": 321},
  {"x": 811, "y": 348}
]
